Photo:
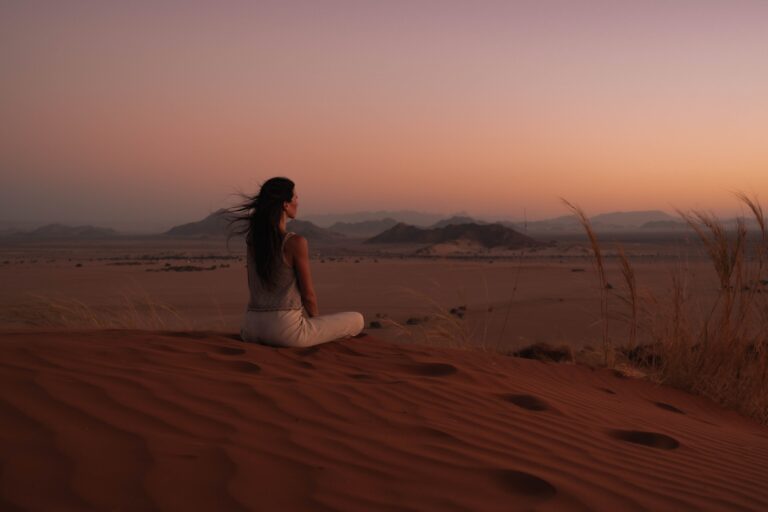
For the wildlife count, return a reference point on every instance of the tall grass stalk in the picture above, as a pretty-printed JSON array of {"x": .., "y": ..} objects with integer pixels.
[
  {"x": 438, "y": 327},
  {"x": 728, "y": 360},
  {"x": 597, "y": 254},
  {"x": 133, "y": 312},
  {"x": 630, "y": 281},
  {"x": 515, "y": 283},
  {"x": 722, "y": 353}
]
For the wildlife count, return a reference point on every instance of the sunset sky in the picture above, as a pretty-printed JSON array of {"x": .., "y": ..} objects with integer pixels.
[{"x": 151, "y": 113}]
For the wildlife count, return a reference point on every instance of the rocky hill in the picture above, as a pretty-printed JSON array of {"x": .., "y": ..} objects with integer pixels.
[
  {"x": 367, "y": 228},
  {"x": 216, "y": 225},
  {"x": 64, "y": 231},
  {"x": 455, "y": 220},
  {"x": 485, "y": 235}
]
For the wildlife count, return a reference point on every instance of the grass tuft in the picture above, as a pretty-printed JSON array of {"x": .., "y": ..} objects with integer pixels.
[
  {"x": 723, "y": 353},
  {"x": 597, "y": 256},
  {"x": 133, "y": 312}
]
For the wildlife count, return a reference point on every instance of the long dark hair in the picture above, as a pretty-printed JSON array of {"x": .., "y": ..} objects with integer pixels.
[{"x": 258, "y": 218}]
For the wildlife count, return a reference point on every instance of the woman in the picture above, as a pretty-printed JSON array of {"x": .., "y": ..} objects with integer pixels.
[{"x": 282, "y": 310}]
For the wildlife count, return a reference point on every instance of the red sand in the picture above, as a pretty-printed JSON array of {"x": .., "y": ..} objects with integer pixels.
[{"x": 133, "y": 420}]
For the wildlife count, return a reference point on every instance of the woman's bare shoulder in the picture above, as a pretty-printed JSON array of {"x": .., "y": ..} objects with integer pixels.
[{"x": 296, "y": 244}]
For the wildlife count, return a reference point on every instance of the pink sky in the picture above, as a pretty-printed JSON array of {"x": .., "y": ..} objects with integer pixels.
[{"x": 134, "y": 113}]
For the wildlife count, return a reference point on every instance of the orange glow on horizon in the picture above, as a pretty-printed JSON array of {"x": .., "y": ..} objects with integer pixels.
[{"x": 495, "y": 111}]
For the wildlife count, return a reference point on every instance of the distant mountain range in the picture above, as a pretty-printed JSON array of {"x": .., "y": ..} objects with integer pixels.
[
  {"x": 487, "y": 236},
  {"x": 455, "y": 220},
  {"x": 615, "y": 221},
  {"x": 313, "y": 232},
  {"x": 364, "y": 229},
  {"x": 406, "y": 216},
  {"x": 370, "y": 228},
  {"x": 367, "y": 225},
  {"x": 214, "y": 224},
  {"x": 665, "y": 225},
  {"x": 217, "y": 223},
  {"x": 61, "y": 231}
]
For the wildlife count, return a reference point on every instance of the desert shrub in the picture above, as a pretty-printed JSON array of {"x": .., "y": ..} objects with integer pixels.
[
  {"x": 722, "y": 352},
  {"x": 133, "y": 311}
]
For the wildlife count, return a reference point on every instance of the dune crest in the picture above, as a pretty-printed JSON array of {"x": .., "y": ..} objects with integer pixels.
[{"x": 135, "y": 420}]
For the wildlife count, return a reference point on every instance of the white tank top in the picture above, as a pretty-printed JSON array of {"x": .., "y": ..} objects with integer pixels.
[{"x": 285, "y": 294}]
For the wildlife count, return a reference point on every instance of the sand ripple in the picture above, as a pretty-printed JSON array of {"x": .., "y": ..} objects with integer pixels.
[{"x": 128, "y": 420}]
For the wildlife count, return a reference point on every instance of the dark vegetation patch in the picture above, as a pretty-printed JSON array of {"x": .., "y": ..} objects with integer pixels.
[
  {"x": 182, "y": 268},
  {"x": 648, "y": 355},
  {"x": 546, "y": 352}
]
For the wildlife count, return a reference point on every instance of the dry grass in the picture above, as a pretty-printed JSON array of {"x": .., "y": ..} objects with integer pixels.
[
  {"x": 437, "y": 327},
  {"x": 723, "y": 356},
  {"x": 136, "y": 311},
  {"x": 516, "y": 281},
  {"x": 597, "y": 255},
  {"x": 631, "y": 298},
  {"x": 721, "y": 353}
]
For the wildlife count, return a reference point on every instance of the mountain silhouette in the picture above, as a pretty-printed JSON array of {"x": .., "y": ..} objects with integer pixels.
[
  {"x": 456, "y": 219},
  {"x": 214, "y": 224},
  {"x": 366, "y": 228},
  {"x": 485, "y": 235},
  {"x": 64, "y": 231},
  {"x": 217, "y": 224}
]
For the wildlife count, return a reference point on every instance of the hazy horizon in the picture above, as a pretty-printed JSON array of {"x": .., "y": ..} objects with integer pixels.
[
  {"x": 146, "y": 114},
  {"x": 149, "y": 224},
  {"x": 327, "y": 219}
]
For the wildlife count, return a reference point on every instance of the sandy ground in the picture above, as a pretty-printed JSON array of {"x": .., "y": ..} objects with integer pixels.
[
  {"x": 510, "y": 302},
  {"x": 138, "y": 420}
]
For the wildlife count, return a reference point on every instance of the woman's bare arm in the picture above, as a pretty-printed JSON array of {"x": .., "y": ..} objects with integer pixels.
[{"x": 298, "y": 250}]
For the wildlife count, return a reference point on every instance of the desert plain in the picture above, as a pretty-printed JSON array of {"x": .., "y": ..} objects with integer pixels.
[
  {"x": 506, "y": 300},
  {"x": 125, "y": 386}
]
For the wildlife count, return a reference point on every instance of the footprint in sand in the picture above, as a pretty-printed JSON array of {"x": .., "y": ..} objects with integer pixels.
[
  {"x": 528, "y": 402},
  {"x": 186, "y": 334},
  {"x": 229, "y": 351},
  {"x": 307, "y": 351},
  {"x": 667, "y": 407},
  {"x": 344, "y": 349},
  {"x": 242, "y": 366},
  {"x": 361, "y": 376},
  {"x": 169, "y": 348},
  {"x": 433, "y": 434},
  {"x": 652, "y": 439},
  {"x": 525, "y": 485},
  {"x": 431, "y": 369},
  {"x": 338, "y": 348}
]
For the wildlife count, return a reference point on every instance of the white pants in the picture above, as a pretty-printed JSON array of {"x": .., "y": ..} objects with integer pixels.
[{"x": 293, "y": 329}]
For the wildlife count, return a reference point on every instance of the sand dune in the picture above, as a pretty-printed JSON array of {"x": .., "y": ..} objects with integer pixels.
[{"x": 131, "y": 420}]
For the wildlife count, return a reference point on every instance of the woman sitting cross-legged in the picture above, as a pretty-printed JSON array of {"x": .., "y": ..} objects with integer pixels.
[{"x": 282, "y": 310}]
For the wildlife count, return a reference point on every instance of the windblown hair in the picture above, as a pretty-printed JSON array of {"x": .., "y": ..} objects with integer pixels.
[{"x": 258, "y": 218}]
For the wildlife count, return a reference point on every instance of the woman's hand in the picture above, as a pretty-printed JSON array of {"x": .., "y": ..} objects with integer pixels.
[{"x": 297, "y": 250}]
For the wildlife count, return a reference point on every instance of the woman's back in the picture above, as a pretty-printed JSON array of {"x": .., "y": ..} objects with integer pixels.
[
  {"x": 283, "y": 313},
  {"x": 284, "y": 295}
]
